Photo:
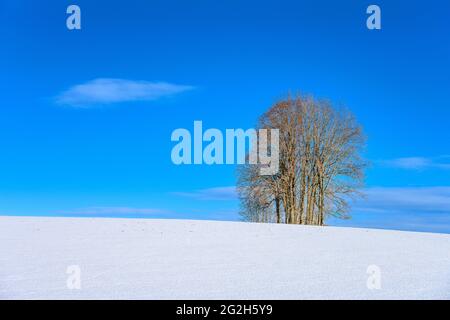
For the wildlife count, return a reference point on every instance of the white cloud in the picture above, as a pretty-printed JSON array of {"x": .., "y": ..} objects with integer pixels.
[
  {"x": 405, "y": 199},
  {"x": 106, "y": 91},
  {"x": 111, "y": 211},
  {"x": 219, "y": 193},
  {"x": 403, "y": 208},
  {"x": 418, "y": 163}
]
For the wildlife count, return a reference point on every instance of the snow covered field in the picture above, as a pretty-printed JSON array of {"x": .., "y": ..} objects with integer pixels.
[{"x": 183, "y": 259}]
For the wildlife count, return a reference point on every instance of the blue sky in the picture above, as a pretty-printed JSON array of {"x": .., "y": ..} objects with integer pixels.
[{"x": 160, "y": 65}]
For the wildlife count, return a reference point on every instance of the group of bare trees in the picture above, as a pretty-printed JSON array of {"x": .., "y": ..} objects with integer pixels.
[{"x": 320, "y": 167}]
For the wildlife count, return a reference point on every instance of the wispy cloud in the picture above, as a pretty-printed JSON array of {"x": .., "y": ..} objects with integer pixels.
[
  {"x": 219, "y": 193},
  {"x": 418, "y": 163},
  {"x": 402, "y": 208},
  {"x": 150, "y": 213},
  {"x": 405, "y": 199},
  {"x": 111, "y": 211},
  {"x": 104, "y": 91}
]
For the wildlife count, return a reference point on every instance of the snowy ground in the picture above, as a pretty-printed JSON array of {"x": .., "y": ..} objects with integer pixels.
[{"x": 182, "y": 259}]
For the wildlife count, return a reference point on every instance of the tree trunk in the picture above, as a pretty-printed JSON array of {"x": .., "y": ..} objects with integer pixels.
[{"x": 277, "y": 208}]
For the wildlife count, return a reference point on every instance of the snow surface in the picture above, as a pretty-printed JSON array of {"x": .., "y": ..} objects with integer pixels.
[{"x": 184, "y": 259}]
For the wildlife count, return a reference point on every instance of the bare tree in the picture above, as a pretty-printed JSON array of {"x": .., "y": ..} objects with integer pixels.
[{"x": 320, "y": 167}]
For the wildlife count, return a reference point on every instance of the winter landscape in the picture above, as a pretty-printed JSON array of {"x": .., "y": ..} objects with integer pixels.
[
  {"x": 187, "y": 259},
  {"x": 231, "y": 149}
]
